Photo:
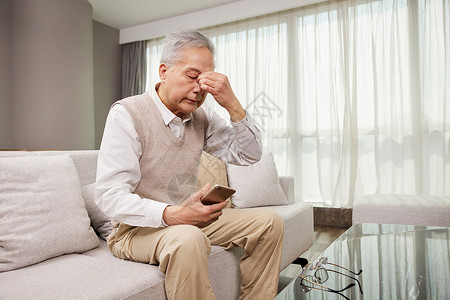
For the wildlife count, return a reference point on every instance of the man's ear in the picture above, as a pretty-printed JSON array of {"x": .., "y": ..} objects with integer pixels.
[{"x": 162, "y": 71}]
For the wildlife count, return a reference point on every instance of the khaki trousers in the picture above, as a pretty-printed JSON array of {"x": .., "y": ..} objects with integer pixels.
[{"x": 182, "y": 252}]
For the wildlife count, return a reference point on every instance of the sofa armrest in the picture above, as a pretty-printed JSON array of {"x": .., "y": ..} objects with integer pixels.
[{"x": 287, "y": 185}]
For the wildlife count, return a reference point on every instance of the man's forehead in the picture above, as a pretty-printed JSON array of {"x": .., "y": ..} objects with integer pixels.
[
  {"x": 188, "y": 68},
  {"x": 194, "y": 59},
  {"x": 192, "y": 69}
]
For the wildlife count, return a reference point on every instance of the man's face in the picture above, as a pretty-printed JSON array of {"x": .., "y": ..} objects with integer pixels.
[{"x": 180, "y": 90}]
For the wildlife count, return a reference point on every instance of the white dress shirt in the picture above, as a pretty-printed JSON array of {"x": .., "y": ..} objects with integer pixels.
[{"x": 118, "y": 172}]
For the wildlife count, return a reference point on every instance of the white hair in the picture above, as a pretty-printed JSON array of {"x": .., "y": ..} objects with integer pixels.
[{"x": 175, "y": 42}]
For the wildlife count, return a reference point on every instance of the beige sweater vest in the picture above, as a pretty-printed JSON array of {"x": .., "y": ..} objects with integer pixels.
[{"x": 168, "y": 165}]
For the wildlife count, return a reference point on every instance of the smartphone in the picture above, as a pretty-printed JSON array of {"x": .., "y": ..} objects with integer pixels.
[{"x": 216, "y": 194}]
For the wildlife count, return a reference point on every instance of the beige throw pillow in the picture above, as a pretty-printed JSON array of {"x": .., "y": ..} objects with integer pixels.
[
  {"x": 213, "y": 171},
  {"x": 42, "y": 212},
  {"x": 256, "y": 185}
]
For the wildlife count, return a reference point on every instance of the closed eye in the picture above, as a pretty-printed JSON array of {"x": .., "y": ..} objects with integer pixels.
[{"x": 192, "y": 74}]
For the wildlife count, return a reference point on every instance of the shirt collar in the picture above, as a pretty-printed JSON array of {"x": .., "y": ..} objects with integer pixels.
[{"x": 166, "y": 114}]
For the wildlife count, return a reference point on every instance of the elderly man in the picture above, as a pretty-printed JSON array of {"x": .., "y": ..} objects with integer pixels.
[{"x": 158, "y": 137}]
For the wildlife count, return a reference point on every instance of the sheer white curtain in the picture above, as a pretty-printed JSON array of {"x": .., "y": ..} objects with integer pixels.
[{"x": 352, "y": 97}]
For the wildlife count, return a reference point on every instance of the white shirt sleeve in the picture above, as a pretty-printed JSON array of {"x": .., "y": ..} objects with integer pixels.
[
  {"x": 238, "y": 144},
  {"x": 118, "y": 174}
]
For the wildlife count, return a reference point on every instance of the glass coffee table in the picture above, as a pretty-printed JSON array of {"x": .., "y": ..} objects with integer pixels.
[{"x": 397, "y": 262}]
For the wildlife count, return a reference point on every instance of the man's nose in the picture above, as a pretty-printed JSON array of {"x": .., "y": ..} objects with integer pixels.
[{"x": 197, "y": 88}]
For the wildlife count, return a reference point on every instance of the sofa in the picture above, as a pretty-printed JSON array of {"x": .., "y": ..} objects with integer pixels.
[{"x": 46, "y": 252}]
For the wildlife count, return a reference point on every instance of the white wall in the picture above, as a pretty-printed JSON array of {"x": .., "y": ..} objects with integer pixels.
[
  {"x": 234, "y": 11},
  {"x": 51, "y": 77},
  {"x": 5, "y": 66},
  {"x": 107, "y": 74}
]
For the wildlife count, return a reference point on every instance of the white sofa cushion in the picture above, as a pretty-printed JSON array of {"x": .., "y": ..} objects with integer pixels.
[
  {"x": 256, "y": 185},
  {"x": 42, "y": 212},
  {"x": 78, "y": 276},
  {"x": 99, "y": 221}
]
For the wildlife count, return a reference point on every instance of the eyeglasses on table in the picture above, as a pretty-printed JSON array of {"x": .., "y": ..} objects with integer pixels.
[{"x": 313, "y": 276}]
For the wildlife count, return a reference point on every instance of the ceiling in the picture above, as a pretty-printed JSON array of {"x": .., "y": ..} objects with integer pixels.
[{"x": 127, "y": 13}]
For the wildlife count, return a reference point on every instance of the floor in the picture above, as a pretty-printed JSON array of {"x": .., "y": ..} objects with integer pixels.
[{"x": 323, "y": 237}]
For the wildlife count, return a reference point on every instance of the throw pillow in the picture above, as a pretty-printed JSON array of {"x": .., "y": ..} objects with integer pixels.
[
  {"x": 99, "y": 221},
  {"x": 213, "y": 171},
  {"x": 42, "y": 213},
  {"x": 256, "y": 185}
]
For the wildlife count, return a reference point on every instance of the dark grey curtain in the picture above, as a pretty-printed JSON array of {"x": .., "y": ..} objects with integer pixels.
[{"x": 134, "y": 68}]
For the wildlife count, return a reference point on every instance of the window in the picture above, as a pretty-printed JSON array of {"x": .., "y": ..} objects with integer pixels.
[{"x": 352, "y": 97}]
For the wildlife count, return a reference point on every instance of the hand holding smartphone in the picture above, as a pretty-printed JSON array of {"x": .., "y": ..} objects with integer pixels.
[{"x": 216, "y": 194}]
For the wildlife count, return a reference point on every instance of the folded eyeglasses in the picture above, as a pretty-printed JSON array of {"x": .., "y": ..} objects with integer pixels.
[{"x": 313, "y": 276}]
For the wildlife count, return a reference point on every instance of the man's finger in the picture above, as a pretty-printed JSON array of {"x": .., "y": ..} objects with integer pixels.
[
  {"x": 219, "y": 206},
  {"x": 210, "y": 75},
  {"x": 205, "y": 188},
  {"x": 209, "y": 89},
  {"x": 199, "y": 194}
]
